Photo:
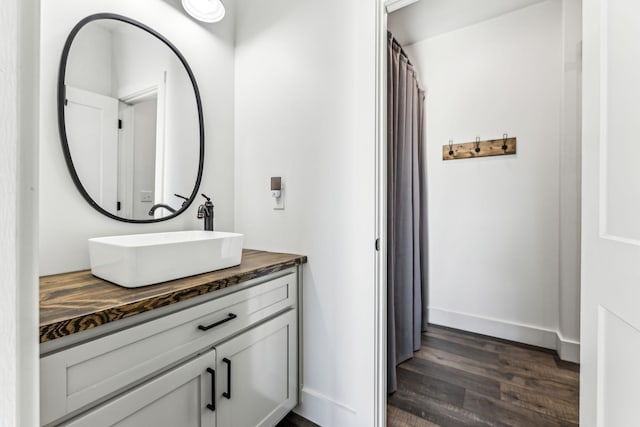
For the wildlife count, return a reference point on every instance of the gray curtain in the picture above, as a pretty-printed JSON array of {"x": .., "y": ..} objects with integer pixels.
[{"x": 406, "y": 212}]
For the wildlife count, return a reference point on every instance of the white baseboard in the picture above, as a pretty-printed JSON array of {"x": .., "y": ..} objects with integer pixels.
[
  {"x": 323, "y": 410},
  {"x": 567, "y": 349},
  {"x": 527, "y": 334}
]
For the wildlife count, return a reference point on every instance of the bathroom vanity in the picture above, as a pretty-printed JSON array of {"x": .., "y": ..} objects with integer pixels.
[
  {"x": 216, "y": 349},
  {"x": 169, "y": 347}
]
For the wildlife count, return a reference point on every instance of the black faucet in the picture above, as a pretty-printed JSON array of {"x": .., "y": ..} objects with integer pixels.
[
  {"x": 206, "y": 211},
  {"x": 161, "y": 205}
]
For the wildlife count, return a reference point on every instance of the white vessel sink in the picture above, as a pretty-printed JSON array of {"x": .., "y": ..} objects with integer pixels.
[{"x": 145, "y": 259}]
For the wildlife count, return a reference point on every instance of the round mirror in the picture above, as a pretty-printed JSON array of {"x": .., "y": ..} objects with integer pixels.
[{"x": 130, "y": 120}]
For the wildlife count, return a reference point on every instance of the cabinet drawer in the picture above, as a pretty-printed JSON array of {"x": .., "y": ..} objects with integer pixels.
[{"x": 79, "y": 376}]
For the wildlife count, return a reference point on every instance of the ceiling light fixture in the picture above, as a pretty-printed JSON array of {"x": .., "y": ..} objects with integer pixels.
[{"x": 205, "y": 10}]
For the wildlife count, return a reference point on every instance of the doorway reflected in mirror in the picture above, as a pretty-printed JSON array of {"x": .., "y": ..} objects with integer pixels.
[{"x": 130, "y": 119}]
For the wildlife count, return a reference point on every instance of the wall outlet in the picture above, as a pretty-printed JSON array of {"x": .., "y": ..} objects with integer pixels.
[
  {"x": 278, "y": 202},
  {"x": 146, "y": 196}
]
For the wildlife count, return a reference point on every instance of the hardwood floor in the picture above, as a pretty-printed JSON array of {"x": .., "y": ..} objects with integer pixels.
[
  {"x": 463, "y": 379},
  {"x": 295, "y": 420}
]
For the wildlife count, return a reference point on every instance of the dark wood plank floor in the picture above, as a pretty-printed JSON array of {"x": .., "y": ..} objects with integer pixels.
[
  {"x": 463, "y": 379},
  {"x": 295, "y": 420}
]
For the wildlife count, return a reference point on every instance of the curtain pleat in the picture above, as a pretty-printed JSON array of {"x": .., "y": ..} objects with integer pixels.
[{"x": 406, "y": 212}]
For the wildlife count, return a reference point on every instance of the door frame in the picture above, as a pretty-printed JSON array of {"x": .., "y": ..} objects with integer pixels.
[
  {"x": 132, "y": 96},
  {"x": 380, "y": 264},
  {"x": 383, "y": 8}
]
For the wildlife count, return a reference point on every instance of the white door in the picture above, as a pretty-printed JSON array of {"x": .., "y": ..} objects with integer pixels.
[
  {"x": 610, "y": 300},
  {"x": 257, "y": 374},
  {"x": 180, "y": 397},
  {"x": 92, "y": 132},
  {"x": 126, "y": 159}
]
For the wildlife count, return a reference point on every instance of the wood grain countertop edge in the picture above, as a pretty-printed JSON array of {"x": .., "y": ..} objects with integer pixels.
[{"x": 56, "y": 325}]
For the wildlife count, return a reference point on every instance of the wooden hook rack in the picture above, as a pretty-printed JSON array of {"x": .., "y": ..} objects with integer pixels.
[{"x": 491, "y": 147}]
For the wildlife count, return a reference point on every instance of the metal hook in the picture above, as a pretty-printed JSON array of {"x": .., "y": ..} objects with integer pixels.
[
  {"x": 504, "y": 141},
  {"x": 451, "y": 147},
  {"x": 477, "y": 144}
]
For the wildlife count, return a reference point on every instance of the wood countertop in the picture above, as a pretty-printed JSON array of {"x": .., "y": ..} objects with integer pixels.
[{"x": 78, "y": 301}]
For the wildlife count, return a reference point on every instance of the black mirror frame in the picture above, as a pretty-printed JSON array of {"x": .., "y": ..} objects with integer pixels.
[{"x": 61, "y": 115}]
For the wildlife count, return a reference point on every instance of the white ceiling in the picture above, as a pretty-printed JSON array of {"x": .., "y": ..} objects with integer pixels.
[{"x": 427, "y": 18}]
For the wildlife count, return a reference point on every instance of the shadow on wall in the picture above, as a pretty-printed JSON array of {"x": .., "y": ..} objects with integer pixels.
[{"x": 257, "y": 20}]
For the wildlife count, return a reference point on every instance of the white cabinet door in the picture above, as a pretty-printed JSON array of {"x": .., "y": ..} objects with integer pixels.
[
  {"x": 257, "y": 374},
  {"x": 180, "y": 397}
]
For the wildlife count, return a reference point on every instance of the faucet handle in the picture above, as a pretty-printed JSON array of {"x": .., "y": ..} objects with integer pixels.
[
  {"x": 186, "y": 199},
  {"x": 206, "y": 197}
]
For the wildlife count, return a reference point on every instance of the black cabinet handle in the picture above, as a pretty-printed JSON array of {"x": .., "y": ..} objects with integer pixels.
[
  {"x": 227, "y": 393},
  {"x": 231, "y": 316},
  {"x": 212, "y": 405}
]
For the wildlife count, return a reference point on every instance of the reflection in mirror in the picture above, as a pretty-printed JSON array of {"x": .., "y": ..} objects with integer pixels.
[{"x": 132, "y": 121}]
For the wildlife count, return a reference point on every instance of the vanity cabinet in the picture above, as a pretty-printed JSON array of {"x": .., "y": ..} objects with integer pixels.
[{"x": 231, "y": 361}]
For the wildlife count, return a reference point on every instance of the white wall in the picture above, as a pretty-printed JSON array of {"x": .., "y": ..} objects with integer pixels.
[
  {"x": 66, "y": 220},
  {"x": 494, "y": 223},
  {"x": 8, "y": 212},
  {"x": 89, "y": 62},
  {"x": 19, "y": 397},
  {"x": 305, "y": 111},
  {"x": 144, "y": 154},
  {"x": 428, "y": 18}
]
